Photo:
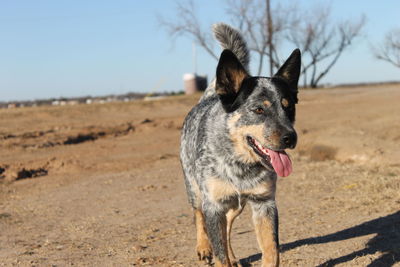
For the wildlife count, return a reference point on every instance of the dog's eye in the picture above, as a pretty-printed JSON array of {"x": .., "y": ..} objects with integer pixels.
[{"x": 259, "y": 110}]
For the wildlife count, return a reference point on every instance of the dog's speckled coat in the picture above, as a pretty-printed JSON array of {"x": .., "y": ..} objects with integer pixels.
[{"x": 222, "y": 168}]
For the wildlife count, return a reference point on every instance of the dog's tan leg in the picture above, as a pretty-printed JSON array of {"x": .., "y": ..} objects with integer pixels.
[
  {"x": 230, "y": 217},
  {"x": 265, "y": 218},
  {"x": 203, "y": 247},
  {"x": 265, "y": 238}
]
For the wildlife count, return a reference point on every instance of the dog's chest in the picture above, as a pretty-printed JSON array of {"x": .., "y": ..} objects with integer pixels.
[
  {"x": 220, "y": 190},
  {"x": 263, "y": 189}
]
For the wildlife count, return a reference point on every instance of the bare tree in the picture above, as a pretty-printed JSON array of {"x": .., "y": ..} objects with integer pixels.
[
  {"x": 389, "y": 50},
  {"x": 263, "y": 26},
  {"x": 267, "y": 27},
  {"x": 322, "y": 42},
  {"x": 188, "y": 24},
  {"x": 253, "y": 17}
]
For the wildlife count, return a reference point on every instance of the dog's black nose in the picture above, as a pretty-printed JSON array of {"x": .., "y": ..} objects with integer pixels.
[{"x": 289, "y": 140}]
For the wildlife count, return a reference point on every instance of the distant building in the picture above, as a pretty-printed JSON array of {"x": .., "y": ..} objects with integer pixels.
[{"x": 194, "y": 83}]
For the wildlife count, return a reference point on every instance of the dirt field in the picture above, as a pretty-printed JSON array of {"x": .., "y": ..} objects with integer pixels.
[{"x": 101, "y": 185}]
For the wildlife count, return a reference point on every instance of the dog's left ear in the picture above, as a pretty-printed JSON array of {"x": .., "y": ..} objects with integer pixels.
[
  {"x": 230, "y": 75},
  {"x": 290, "y": 71}
]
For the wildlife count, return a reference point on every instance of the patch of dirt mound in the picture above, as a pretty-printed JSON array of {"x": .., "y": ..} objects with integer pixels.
[
  {"x": 31, "y": 173},
  {"x": 19, "y": 172},
  {"x": 319, "y": 152},
  {"x": 322, "y": 152},
  {"x": 2, "y": 170},
  {"x": 99, "y": 132},
  {"x": 63, "y": 136},
  {"x": 81, "y": 138}
]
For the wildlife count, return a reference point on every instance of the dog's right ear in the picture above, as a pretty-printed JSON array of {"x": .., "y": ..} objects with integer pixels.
[{"x": 230, "y": 75}]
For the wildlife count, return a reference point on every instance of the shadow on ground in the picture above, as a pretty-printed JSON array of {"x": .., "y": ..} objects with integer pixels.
[{"x": 386, "y": 241}]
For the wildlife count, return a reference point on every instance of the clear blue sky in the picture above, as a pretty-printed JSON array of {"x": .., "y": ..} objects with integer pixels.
[{"x": 73, "y": 48}]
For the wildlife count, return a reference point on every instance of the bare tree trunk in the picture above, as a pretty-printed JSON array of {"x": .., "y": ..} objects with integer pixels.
[
  {"x": 260, "y": 64},
  {"x": 313, "y": 84},
  {"x": 304, "y": 74},
  {"x": 327, "y": 69},
  {"x": 270, "y": 33}
]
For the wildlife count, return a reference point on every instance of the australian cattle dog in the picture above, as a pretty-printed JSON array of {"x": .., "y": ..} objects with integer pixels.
[{"x": 233, "y": 148}]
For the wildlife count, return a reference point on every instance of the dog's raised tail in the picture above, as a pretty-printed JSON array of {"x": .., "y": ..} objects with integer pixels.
[{"x": 232, "y": 39}]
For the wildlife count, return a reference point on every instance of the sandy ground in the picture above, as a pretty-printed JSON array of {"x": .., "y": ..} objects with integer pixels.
[{"x": 101, "y": 185}]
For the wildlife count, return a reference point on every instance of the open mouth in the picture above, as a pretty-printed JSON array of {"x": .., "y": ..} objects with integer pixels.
[{"x": 278, "y": 160}]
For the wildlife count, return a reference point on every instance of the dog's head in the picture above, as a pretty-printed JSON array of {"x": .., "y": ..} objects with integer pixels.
[{"x": 261, "y": 111}]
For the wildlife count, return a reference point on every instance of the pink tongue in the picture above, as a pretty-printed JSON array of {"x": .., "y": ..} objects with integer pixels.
[{"x": 281, "y": 162}]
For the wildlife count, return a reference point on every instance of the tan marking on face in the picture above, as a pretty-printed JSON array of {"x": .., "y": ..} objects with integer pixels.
[
  {"x": 238, "y": 137},
  {"x": 267, "y": 103},
  {"x": 265, "y": 238},
  {"x": 285, "y": 102},
  {"x": 275, "y": 138},
  {"x": 220, "y": 189},
  {"x": 264, "y": 189},
  {"x": 233, "y": 120}
]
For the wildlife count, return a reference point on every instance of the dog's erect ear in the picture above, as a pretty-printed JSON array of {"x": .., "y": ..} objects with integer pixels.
[
  {"x": 230, "y": 75},
  {"x": 290, "y": 71}
]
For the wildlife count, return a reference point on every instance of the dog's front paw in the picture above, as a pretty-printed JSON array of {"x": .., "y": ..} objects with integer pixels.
[{"x": 204, "y": 252}]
